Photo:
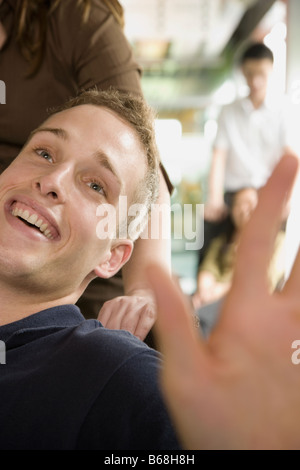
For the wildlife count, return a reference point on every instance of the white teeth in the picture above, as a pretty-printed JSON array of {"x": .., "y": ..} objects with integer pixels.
[
  {"x": 17, "y": 212},
  {"x": 25, "y": 215},
  {"x": 38, "y": 223},
  {"x": 34, "y": 220},
  {"x": 43, "y": 227}
]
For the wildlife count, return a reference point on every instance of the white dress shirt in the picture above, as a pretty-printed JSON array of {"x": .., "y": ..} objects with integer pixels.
[{"x": 254, "y": 140}]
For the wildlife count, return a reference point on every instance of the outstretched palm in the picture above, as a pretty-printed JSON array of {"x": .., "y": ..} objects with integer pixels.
[{"x": 240, "y": 389}]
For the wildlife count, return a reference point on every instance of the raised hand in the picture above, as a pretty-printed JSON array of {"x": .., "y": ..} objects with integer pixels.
[{"x": 240, "y": 389}]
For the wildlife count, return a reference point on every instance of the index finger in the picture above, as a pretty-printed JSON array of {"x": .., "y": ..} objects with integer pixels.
[
  {"x": 146, "y": 320},
  {"x": 258, "y": 238}
]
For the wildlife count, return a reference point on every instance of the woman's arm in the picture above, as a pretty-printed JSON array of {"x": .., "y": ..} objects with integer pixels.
[{"x": 215, "y": 208}]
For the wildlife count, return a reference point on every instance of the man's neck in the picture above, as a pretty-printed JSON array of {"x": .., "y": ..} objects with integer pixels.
[
  {"x": 257, "y": 101},
  {"x": 15, "y": 305}
]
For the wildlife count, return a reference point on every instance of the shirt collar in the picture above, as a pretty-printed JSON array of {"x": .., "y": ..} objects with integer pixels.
[
  {"x": 247, "y": 105},
  {"x": 54, "y": 318}
]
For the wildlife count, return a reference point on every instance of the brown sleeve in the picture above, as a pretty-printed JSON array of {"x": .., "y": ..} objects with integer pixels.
[{"x": 97, "y": 51}]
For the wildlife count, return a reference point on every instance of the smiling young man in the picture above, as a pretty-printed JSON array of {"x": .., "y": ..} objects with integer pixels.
[{"x": 69, "y": 383}]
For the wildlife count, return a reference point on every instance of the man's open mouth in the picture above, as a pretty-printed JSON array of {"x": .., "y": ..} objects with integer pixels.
[{"x": 34, "y": 219}]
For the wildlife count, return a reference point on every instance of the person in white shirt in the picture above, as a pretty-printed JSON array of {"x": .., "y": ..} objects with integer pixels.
[{"x": 252, "y": 136}]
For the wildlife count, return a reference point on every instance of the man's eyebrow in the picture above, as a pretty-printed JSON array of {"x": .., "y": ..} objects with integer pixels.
[
  {"x": 58, "y": 131},
  {"x": 105, "y": 162}
]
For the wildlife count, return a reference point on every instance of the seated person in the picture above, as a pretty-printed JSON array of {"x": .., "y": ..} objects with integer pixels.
[
  {"x": 216, "y": 271},
  {"x": 67, "y": 382}
]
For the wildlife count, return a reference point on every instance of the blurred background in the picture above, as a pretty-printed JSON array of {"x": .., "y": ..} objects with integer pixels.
[{"x": 188, "y": 49}]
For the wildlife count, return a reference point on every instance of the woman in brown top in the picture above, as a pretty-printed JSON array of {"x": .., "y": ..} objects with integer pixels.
[{"x": 49, "y": 50}]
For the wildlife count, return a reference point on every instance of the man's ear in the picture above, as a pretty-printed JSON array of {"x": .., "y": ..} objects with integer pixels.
[{"x": 119, "y": 255}]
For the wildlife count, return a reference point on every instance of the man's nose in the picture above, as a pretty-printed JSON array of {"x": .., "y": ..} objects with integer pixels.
[
  {"x": 257, "y": 81},
  {"x": 55, "y": 183}
]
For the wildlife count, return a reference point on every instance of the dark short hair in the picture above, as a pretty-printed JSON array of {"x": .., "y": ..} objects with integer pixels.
[{"x": 257, "y": 51}]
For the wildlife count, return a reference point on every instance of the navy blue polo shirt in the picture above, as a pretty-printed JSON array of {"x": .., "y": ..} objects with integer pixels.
[{"x": 70, "y": 383}]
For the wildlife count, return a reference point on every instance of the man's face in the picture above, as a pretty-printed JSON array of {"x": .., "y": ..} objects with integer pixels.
[
  {"x": 257, "y": 74},
  {"x": 77, "y": 160}
]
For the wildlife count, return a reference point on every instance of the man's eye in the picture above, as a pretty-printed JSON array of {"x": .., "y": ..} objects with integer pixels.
[
  {"x": 44, "y": 154},
  {"x": 97, "y": 187}
]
